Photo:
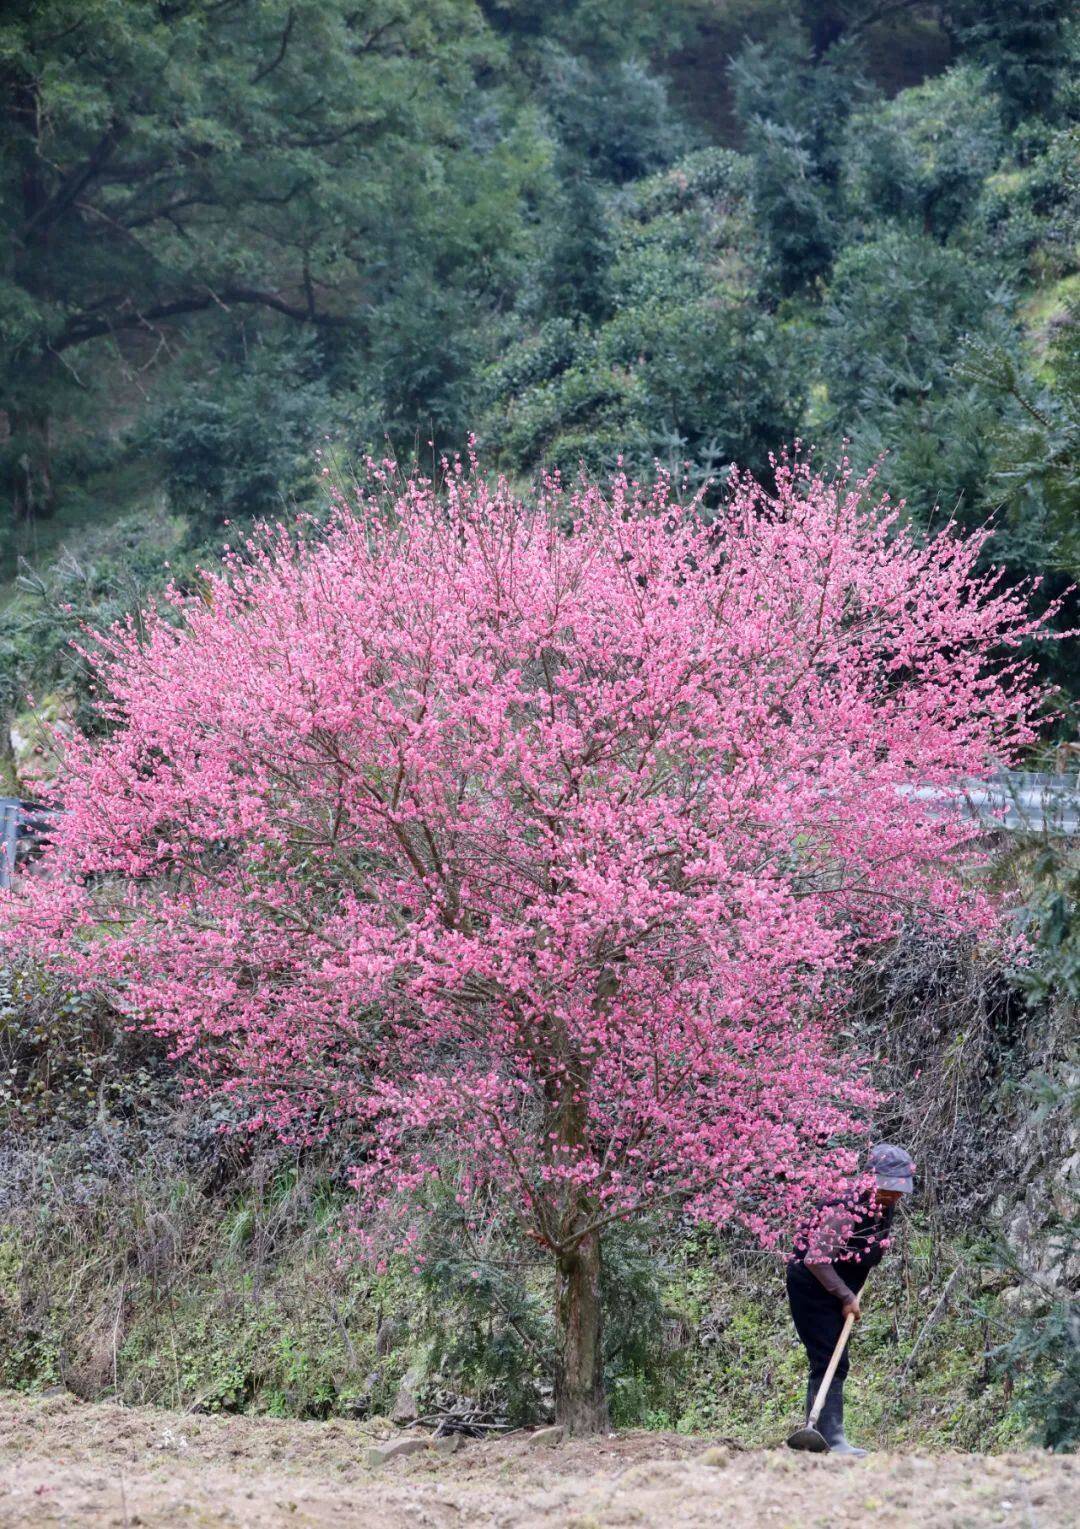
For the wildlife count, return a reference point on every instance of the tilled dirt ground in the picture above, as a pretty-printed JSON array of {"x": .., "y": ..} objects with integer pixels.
[{"x": 68, "y": 1462}]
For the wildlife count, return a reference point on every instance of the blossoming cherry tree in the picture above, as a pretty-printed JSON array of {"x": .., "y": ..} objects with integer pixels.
[{"x": 528, "y": 844}]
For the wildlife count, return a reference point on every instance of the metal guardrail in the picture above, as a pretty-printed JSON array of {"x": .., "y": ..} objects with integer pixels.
[
  {"x": 10, "y": 814},
  {"x": 24, "y": 830},
  {"x": 1013, "y": 801}
]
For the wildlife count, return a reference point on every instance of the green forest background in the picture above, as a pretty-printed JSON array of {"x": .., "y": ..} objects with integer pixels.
[{"x": 249, "y": 240}]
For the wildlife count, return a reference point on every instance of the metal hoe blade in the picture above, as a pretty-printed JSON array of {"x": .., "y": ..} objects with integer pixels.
[{"x": 810, "y": 1439}]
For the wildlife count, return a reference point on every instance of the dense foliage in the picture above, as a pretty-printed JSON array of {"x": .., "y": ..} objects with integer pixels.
[
  {"x": 1049, "y": 1327},
  {"x": 241, "y": 230}
]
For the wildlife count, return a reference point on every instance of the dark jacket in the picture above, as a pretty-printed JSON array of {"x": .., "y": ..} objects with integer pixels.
[{"x": 854, "y": 1236}]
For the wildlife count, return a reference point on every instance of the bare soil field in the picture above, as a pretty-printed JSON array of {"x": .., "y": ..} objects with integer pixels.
[{"x": 63, "y": 1461}]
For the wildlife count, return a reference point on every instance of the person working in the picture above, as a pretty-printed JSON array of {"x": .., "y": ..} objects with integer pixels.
[{"x": 828, "y": 1271}]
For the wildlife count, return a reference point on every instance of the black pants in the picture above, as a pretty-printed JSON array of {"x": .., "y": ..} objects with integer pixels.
[{"x": 818, "y": 1321}]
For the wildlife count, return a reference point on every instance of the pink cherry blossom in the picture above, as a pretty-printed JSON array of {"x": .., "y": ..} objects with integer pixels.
[{"x": 531, "y": 843}]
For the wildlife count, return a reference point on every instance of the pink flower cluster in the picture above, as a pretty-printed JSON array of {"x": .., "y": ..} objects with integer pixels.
[{"x": 530, "y": 843}]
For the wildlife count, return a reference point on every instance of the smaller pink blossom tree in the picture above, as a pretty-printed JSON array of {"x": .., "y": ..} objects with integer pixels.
[{"x": 531, "y": 843}]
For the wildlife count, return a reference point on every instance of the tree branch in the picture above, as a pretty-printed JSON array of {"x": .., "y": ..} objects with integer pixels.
[
  {"x": 861, "y": 23},
  {"x": 81, "y": 331},
  {"x": 260, "y": 74},
  {"x": 76, "y": 182}
]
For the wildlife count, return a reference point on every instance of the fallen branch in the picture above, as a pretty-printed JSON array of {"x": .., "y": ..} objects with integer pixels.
[{"x": 928, "y": 1324}]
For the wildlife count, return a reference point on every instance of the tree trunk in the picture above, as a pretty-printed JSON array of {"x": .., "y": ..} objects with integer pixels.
[
  {"x": 30, "y": 457},
  {"x": 580, "y": 1403},
  {"x": 27, "y": 458},
  {"x": 826, "y": 25}
]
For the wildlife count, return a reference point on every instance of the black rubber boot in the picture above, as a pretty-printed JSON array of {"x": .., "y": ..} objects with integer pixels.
[{"x": 831, "y": 1424}]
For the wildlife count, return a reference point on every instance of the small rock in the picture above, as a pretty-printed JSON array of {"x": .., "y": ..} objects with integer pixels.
[
  {"x": 379, "y": 1455},
  {"x": 406, "y": 1405},
  {"x": 544, "y": 1438},
  {"x": 447, "y": 1443},
  {"x": 387, "y": 1337}
]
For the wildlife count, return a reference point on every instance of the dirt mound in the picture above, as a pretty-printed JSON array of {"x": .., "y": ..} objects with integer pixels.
[{"x": 67, "y": 1462}]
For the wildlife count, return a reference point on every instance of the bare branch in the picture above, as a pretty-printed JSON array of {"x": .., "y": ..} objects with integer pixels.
[
  {"x": 261, "y": 74},
  {"x": 81, "y": 330}
]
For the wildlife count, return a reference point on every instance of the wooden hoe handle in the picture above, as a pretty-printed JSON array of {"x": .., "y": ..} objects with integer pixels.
[{"x": 841, "y": 1342}]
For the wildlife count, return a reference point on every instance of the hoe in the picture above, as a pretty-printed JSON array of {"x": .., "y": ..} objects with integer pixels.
[{"x": 808, "y": 1437}]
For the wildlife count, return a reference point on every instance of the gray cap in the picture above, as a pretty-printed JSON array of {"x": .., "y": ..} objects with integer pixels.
[{"x": 892, "y": 1167}]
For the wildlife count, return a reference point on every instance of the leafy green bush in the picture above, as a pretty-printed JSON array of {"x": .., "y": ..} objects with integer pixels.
[
  {"x": 616, "y": 122},
  {"x": 924, "y": 157},
  {"x": 793, "y": 108},
  {"x": 1027, "y": 213},
  {"x": 1046, "y": 1333},
  {"x": 1027, "y": 46},
  {"x": 237, "y": 442},
  {"x": 1043, "y": 1348},
  {"x": 687, "y": 369},
  {"x": 898, "y": 306}
]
